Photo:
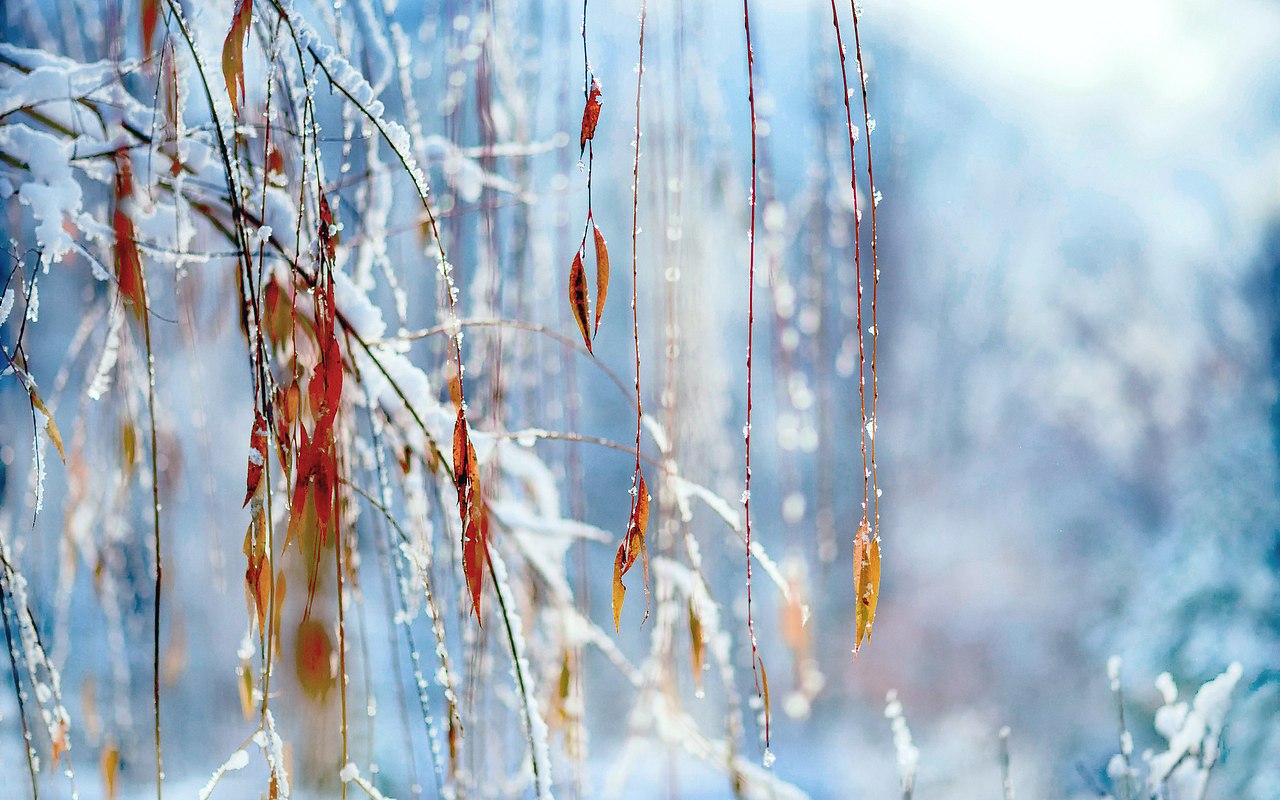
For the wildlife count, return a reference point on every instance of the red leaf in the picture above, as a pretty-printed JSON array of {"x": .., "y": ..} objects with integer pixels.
[
  {"x": 578, "y": 297},
  {"x": 257, "y": 456},
  {"x": 602, "y": 275},
  {"x": 233, "y": 52},
  {"x": 128, "y": 264},
  {"x": 150, "y": 14},
  {"x": 590, "y": 116},
  {"x": 328, "y": 235},
  {"x": 475, "y": 523}
]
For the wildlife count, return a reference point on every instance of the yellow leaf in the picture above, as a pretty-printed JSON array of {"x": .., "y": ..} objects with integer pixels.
[
  {"x": 619, "y": 591},
  {"x": 50, "y": 426},
  {"x": 866, "y": 581}
]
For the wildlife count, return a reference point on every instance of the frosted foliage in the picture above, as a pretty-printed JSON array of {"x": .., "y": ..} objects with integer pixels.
[
  {"x": 348, "y": 493},
  {"x": 52, "y": 193}
]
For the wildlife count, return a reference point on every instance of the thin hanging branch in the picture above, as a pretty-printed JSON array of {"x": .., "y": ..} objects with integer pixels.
[{"x": 757, "y": 666}]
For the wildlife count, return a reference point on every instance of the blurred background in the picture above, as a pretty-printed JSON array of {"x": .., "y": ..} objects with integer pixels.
[{"x": 1078, "y": 421}]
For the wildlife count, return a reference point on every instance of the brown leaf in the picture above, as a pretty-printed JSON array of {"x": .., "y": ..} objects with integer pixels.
[
  {"x": 695, "y": 640},
  {"x": 866, "y": 581},
  {"x": 233, "y": 52},
  {"x": 455, "y": 737},
  {"x": 602, "y": 275},
  {"x": 764, "y": 691},
  {"x": 590, "y": 116},
  {"x": 578, "y": 297}
]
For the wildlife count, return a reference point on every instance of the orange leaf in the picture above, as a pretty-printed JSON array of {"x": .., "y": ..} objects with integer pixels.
[
  {"x": 110, "y": 769},
  {"x": 578, "y": 297},
  {"x": 590, "y": 116},
  {"x": 257, "y": 456},
  {"x": 695, "y": 639},
  {"x": 602, "y": 275},
  {"x": 311, "y": 652},
  {"x": 866, "y": 581},
  {"x": 633, "y": 544},
  {"x": 233, "y": 52},
  {"x": 475, "y": 523},
  {"x": 619, "y": 589}
]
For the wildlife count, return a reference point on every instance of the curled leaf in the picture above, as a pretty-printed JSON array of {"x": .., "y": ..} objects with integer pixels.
[
  {"x": 578, "y": 297},
  {"x": 602, "y": 275},
  {"x": 233, "y": 52},
  {"x": 475, "y": 523},
  {"x": 633, "y": 545},
  {"x": 764, "y": 693},
  {"x": 590, "y": 116},
  {"x": 866, "y": 581}
]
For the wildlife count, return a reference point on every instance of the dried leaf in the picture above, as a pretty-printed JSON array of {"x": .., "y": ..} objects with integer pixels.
[
  {"x": 695, "y": 640},
  {"x": 233, "y": 52},
  {"x": 59, "y": 742},
  {"x": 110, "y": 770},
  {"x": 475, "y": 523},
  {"x": 619, "y": 590},
  {"x": 632, "y": 546},
  {"x": 866, "y": 581},
  {"x": 590, "y": 116},
  {"x": 257, "y": 457},
  {"x": 245, "y": 686},
  {"x": 455, "y": 737},
  {"x": 602, "y": 275},
  {"x": 50, "y": 426},
  {"x": 578, "y": 297},
  {"x": 764, "y": 692}
]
